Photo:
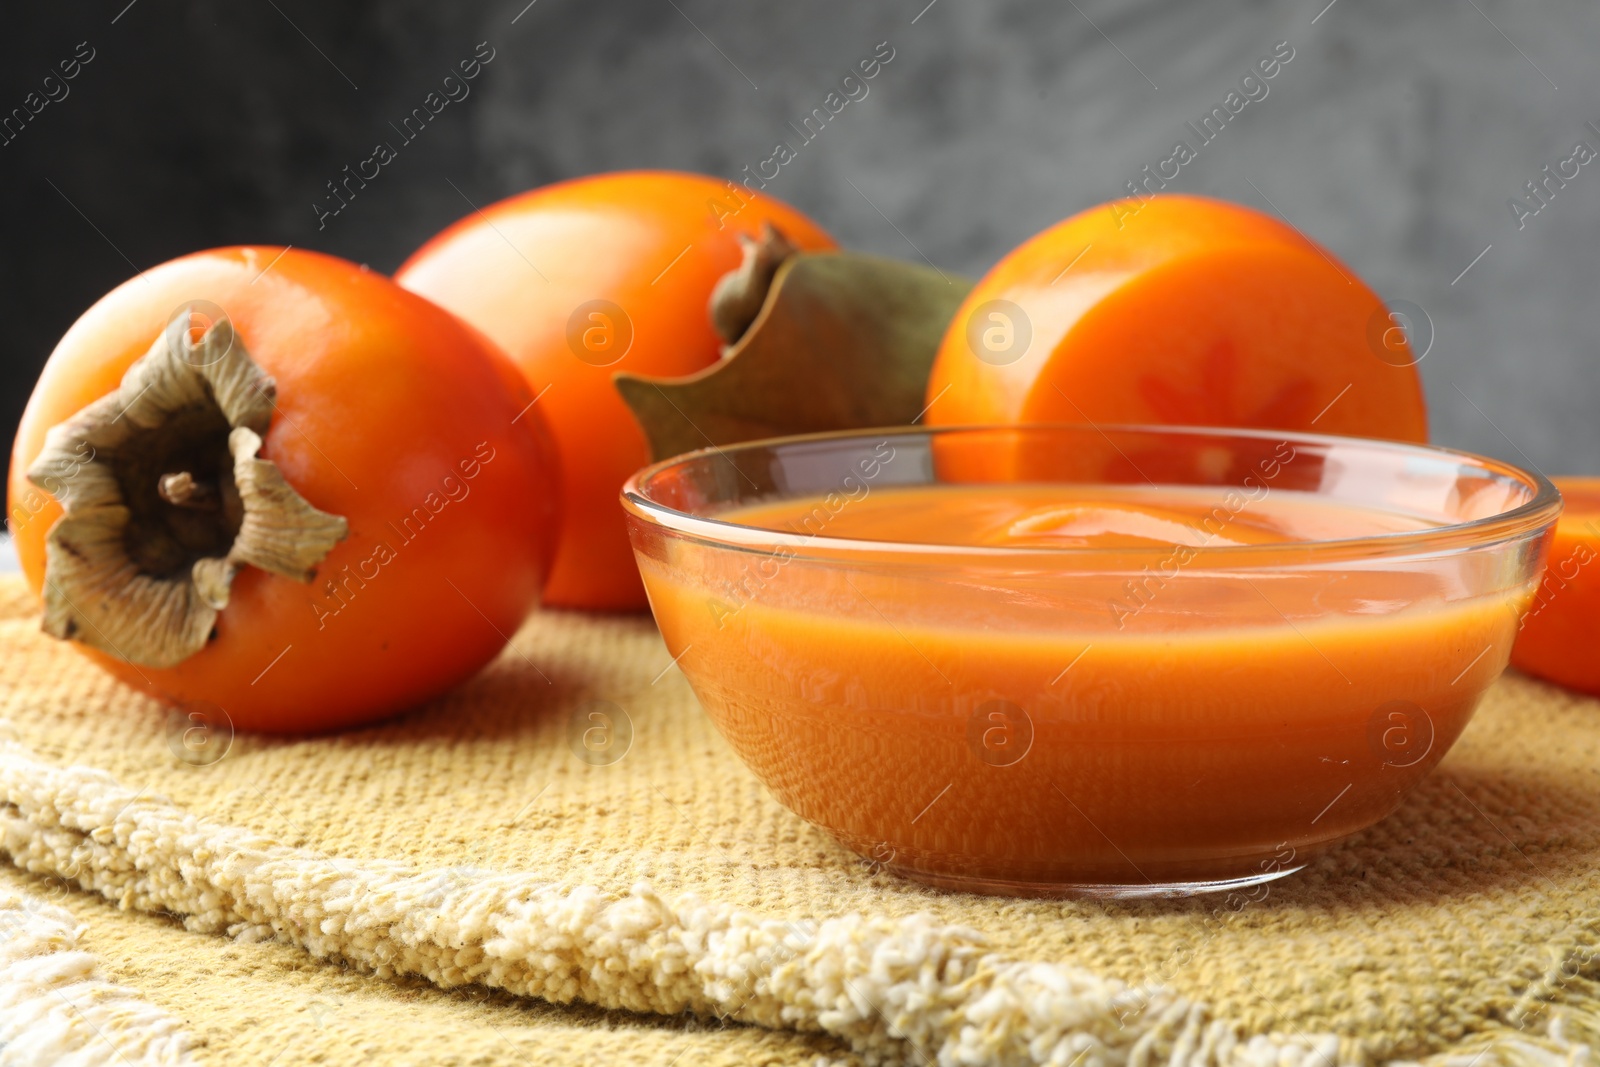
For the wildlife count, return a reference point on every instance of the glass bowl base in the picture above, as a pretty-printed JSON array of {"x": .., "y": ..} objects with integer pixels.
[{"x": 1088, "y": 890}]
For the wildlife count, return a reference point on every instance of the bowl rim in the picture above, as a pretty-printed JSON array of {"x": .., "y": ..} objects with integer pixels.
[{"x": 1542, "y": 509}]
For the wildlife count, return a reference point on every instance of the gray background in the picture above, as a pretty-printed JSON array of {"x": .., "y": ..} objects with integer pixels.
[{"x": 1395, "y": 137}]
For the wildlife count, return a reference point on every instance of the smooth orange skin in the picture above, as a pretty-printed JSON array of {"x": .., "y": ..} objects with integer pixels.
[
  {"x": 518, "y": 270},
  {"x": 1192, "y": 311},
  {"x": 1560, "y": 636},
  {"x": 381, "y": 396}
]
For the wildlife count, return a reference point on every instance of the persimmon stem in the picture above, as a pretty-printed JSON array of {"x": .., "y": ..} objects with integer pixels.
[
  {"x": 181, "y": 490},
  {"x": 739, "y": 295}
]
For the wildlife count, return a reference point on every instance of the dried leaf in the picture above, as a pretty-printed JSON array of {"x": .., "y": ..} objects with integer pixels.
[{"x": 843, "y": 341}]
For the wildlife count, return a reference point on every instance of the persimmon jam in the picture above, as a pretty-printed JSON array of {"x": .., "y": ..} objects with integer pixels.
[{"x": 1120, "y": 706}]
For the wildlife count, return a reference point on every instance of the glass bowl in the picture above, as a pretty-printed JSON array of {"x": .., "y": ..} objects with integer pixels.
[{"x": 1102, "y": 721}]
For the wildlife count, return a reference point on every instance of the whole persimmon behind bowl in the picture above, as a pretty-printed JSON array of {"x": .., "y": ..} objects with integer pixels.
[
  {"x": 583, "y": 279},
  {"x": 298, "y": 494},
  {"x": 1180, "y": 311},
  {"x": 1079, "y": 682}
]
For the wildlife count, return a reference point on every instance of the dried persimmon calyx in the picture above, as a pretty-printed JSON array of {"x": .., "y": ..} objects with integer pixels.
[
  {"x": 822, "y": 341},
  {"x": 165, "y": 497}
]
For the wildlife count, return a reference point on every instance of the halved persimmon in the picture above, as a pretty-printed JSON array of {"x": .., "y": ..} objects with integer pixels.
[
  {"x": 1185, "y": 311},
  {"x": 1560, "y": 634},
  {"x": 581, "y": 280}
]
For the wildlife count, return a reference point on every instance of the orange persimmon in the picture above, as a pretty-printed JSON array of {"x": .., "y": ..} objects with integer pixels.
[
  {"x": 581, "y": 280},
  {"x": 1183, "y": 311},
  {"x": 275, "y": 482},
  {"x": 1560, "y": 635}
]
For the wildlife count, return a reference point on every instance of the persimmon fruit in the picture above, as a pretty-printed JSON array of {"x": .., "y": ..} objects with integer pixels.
[
  {"x": 1559, "y": 639},
  {"x": 1185, "y": 311},
  {"x": 275, "y": 482},
  {"x": 583, "y": 279}
]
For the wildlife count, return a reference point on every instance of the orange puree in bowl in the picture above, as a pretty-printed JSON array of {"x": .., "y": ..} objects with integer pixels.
[
  {"x": 1154, "y": 711},
  {"x": 1053, "y": 516}
]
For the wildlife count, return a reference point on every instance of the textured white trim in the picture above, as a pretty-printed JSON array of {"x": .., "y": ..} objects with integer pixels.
[
  {"x": 897, "y": 990},
  {"x": 56, "y": 1008}
]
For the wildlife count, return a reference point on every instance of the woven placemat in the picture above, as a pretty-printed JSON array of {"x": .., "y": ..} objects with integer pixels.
[{"x": 459, "y": 886}]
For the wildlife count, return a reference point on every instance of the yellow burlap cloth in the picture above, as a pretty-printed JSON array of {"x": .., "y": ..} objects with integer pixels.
[{"x": 457, "y": 886}]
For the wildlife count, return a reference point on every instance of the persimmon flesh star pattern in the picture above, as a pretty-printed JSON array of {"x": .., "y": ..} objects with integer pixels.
[{"x": 1194, "y": 312}]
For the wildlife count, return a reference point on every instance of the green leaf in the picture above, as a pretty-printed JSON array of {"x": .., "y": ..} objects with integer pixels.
[{"x": 843, "y": 341}]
